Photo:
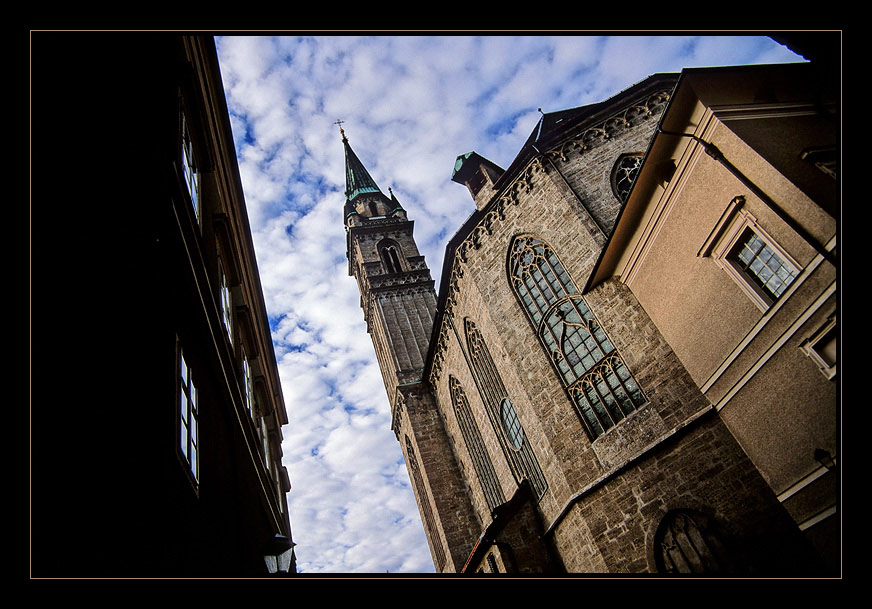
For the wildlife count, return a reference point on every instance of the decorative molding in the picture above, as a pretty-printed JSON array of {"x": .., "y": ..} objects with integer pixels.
[
  {"x": 597, "y": 135},
  {"x": 734, "y": 206},
  {"x": 774, "y": 347}
]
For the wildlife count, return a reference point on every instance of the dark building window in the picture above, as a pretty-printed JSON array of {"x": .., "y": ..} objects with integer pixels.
[
  {"x": 189, "y": 167},
  {"x": 624, "y": 174},
  {"x": 600, "y": 385},
  {"x": 474, "y": 444},
  {"x": 390, "y": 256},
  {"x": 247, "y": 386},
  {"x": 689, "y": 542},
  {"x": 224, "y": 296},
  {"x": 517, "y": 449},
  {"x": 189, "y": 428}
]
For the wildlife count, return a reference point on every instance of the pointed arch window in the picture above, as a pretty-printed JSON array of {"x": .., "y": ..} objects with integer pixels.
[
  {"x": 624, "y": 174},
  {"x": 501, "y": 412},
  {"x": 389, "y": 252},
  {"x": 590, "y": 368},
  {"x": 687, "y": 541},
  {"x": 472, "y": 437}
]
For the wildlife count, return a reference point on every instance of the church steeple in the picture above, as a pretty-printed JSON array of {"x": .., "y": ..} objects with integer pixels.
[
  {"x": 357, "y": 178},
  {"x": 396, "y": 287},
  {"x": 398, "y": 298},
  {"x": 363, "y": 198}
]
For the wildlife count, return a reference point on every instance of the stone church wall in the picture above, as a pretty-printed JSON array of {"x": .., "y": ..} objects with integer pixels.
[{"x": 644, "y": 465}]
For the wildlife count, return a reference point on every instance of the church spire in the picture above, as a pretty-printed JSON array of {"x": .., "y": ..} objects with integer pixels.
[
  {"x": 357, "y": 178},
  {"x": 364, "y": 201}
]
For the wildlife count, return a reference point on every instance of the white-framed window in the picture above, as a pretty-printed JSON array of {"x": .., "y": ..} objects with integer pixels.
[
  {"x": 189, "y": 417},
  {"x": 248, "y": 386},
  {"x": 225, "y": 301},
  {"x": 189, "y": 167},
  {"x": 822, "y": 347},
  {"x": 264, "y": 437},
  {"x": 754, "y": 260}
]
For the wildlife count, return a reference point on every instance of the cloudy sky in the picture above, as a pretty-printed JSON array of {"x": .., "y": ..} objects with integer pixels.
[{"x": 410, "y": 106}]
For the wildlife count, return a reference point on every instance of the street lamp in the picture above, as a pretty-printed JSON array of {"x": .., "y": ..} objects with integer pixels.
[{"x": 278, "y": 554}]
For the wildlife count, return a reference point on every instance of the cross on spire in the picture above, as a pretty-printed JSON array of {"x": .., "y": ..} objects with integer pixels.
[{"x": 339, "y": 122}]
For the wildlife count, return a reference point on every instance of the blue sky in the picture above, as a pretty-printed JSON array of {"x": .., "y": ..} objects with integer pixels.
[{"x": 410, "y": 106}]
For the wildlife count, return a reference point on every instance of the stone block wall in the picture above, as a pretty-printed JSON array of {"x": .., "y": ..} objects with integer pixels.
[{"x": 703, "y": 470}]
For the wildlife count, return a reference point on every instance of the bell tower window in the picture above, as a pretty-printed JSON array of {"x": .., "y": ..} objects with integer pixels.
[{"x": 390, "y": 257}]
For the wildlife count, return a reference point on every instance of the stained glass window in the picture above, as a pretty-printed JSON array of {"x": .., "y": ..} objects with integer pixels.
[
  {"x": 624, "y": 174},
  {"x": 511, "y": 424},
  {"x": 600, "y": 385}
]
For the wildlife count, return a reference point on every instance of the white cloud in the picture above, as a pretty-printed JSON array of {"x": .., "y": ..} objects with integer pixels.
[{"x": 410, "y": 104}]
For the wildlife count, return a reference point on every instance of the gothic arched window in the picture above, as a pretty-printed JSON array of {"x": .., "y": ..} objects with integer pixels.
[
  {"x": 501, "y": 413},
  {"x": 511, "y": 424},
  {"x": 389, "y": 252},
  {"x": 624, "y": 174},
  {"x": 594, "y": 375},
  {"x": 688, "y": 541},
  {"x": 480, "y": 460}
]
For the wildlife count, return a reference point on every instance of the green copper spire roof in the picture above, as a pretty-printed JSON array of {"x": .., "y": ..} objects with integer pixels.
[{"x": 357, "y": 178}]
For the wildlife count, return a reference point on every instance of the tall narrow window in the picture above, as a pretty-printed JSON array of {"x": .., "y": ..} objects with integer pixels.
[
  {"x": 189, "y": 167},
  {"x": 224, "y": 296},
  {"x": 390, "y": 257},
  {"x": 472, "y": 437},
  {"x": 501, "y": 412},
  {"x": 189, "y": 428},
  {"x": 247, "y": 386},
  {"x": 264, "y": 438},
  {"x": 594, "y": 375}
]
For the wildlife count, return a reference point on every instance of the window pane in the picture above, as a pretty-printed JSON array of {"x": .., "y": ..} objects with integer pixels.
[{"x": 763, "y": 265}]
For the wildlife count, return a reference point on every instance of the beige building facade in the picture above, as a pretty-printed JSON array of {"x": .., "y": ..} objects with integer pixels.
[{"x": 579, "y": 397}]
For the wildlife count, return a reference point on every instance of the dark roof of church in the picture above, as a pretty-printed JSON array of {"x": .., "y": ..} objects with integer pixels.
[
  {"x": 555, "y": 125},
  {"x": 357, "y": 178}
]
